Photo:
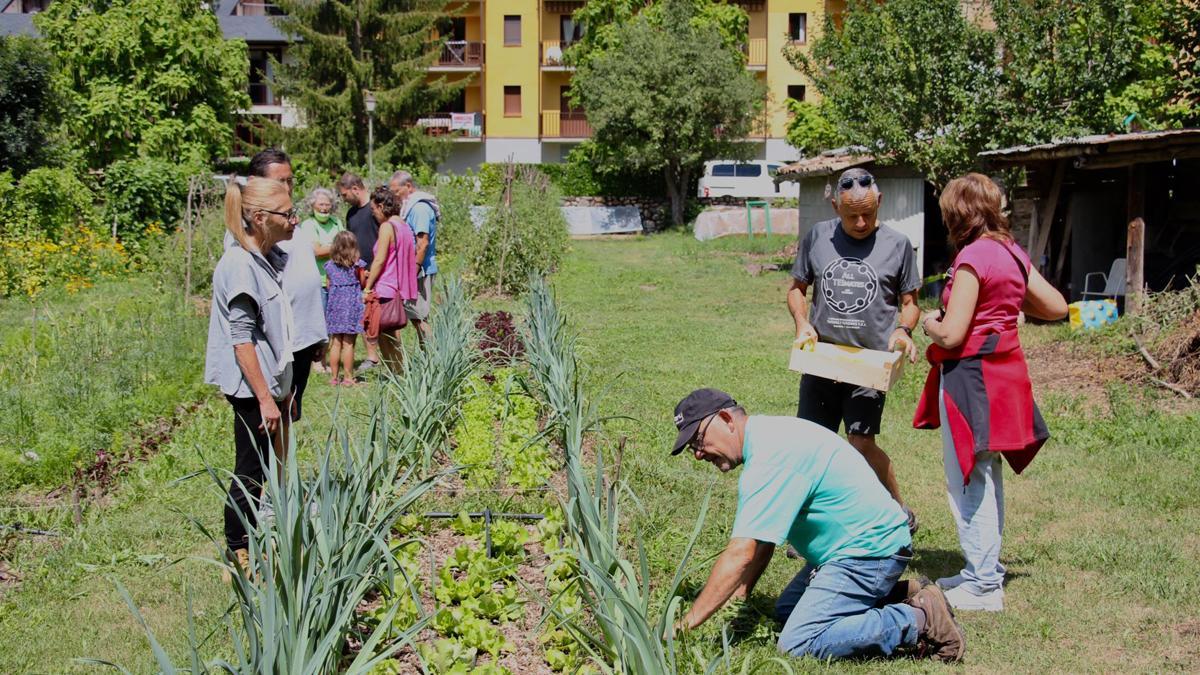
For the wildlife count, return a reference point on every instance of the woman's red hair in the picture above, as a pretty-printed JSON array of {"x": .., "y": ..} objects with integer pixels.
[{"x": 972, "y": 208}]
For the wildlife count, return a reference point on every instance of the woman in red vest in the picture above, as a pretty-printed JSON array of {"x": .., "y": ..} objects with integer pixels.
[{"x": 978, "y": 390}]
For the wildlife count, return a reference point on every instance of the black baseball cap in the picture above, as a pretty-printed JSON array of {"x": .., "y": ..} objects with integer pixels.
[{"x": 692, "y": 410}]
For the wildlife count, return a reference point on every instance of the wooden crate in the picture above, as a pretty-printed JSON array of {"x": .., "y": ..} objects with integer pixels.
[{"x": 863, "y": 367}]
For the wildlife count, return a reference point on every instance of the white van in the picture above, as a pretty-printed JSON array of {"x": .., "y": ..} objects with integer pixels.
[{"x": 753, "y": 178}]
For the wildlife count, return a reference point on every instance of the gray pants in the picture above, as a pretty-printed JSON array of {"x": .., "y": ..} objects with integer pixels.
[{"x": 978, "y": 510}]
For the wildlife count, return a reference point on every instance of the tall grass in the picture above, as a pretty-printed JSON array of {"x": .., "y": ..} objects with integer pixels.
[
  {"x": 98, "y": 363},
  {"x": 615, "y": 589}
]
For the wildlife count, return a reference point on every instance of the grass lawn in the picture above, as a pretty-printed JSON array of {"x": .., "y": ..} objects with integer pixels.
[{"x": 1102, "y": 548}]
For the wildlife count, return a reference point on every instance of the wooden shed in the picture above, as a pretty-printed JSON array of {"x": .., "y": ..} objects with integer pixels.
[
  {"x": 905, "y": 194},
  {"x": 1084, "y": 201}
]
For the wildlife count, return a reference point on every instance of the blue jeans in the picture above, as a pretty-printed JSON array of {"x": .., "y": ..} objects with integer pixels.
[
  {"x": 978, "y": 510},
  {"x": 830, "y": 611}
]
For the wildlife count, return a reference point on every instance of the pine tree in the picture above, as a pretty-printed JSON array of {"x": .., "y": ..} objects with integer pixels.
[{"x": 344, "y": 48}]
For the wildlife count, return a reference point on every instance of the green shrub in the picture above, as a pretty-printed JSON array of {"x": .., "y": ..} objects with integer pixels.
[
  {"x": 45, "y": 202},
  {"x": 456, "y": 232},
  {"x": 168, "y": 257},
  {"x": 523, "y": 234},
  {"x": 144, "y": 193}
]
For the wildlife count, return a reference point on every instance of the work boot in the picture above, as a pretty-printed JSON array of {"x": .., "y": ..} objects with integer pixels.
[
  {"x": 942, "y": 638},
  {"x": 242, "y": 561},
  {"x": 903, "y": 591}
]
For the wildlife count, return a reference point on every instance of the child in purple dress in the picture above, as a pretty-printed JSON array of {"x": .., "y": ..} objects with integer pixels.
[{"x": 344, "y": 310}]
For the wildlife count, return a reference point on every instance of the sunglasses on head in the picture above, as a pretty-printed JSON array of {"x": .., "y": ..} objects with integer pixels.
[{"x": 863, "y": 181}]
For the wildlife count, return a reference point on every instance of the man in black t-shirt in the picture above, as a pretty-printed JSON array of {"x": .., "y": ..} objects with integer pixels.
[
  {"x": 359, "y": 218},
  {"x": 361, "y": 222}
]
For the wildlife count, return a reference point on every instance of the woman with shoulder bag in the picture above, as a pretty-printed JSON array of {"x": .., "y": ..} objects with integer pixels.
[
  {"x": 393, "y": 275},
  {"x": 978, "y": 390},
  {"x": 250, "y": 336}
]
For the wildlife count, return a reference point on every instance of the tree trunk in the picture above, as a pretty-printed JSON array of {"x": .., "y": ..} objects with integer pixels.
[{"x": 676, "y": 192}]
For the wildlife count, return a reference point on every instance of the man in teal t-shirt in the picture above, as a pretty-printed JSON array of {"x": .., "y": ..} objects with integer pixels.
[{"x": 805, "y": 485}]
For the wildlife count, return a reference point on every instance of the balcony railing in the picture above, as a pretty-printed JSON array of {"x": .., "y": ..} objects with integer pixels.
[
  {"x": 557, "y": 124},
  {"x": 756, "y": 52},
  {"x": 460, "y": 125},
  {"x": 553, "y": 50},
  {"x": 261, "y": 94},
  {"x": 461, "y": 54}
]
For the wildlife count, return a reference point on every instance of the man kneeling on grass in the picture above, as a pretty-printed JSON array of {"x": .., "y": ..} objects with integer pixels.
[{"x": 806, "y": 485}]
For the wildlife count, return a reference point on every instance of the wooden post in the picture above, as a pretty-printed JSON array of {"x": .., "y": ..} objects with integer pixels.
[
  {"x": 1046, "y": 217},
  {"x": 1135, "y": 283},
  {"x": 33, "y": 334},
  {"x": 188, "y": 223}
]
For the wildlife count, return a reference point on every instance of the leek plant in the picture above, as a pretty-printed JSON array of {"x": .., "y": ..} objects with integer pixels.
[
  {"x": 616, "y": 591},
  {"x": 325, "y": 547},
  {"x": 313, "y": 559},
  {"x": 429, "y": 388}
]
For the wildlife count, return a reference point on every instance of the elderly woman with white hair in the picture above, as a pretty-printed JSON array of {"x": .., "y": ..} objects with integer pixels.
[{"x": 320, "y": 228}]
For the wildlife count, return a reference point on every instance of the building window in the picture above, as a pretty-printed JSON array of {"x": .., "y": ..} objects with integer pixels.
[
  {"x": 571, "y": 30},
  {"x": 512, "y": 101},
  {"x": 512, "y": 30},
  {"x": 796, "y": 92},
  {"x": 798, "y": 27},
  {"x": 262, "y": 74},
  {"x": 34, "y": 6}
]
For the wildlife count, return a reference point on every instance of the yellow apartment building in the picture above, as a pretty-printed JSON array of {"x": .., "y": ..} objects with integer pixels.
[{"x": 514, "y": 105}]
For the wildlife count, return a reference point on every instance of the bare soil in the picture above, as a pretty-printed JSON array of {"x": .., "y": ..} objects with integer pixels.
[{"x": 1078, "y": 370}]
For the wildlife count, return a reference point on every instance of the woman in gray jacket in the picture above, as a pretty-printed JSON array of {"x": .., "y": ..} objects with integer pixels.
[{"x": 250, "y": 341}]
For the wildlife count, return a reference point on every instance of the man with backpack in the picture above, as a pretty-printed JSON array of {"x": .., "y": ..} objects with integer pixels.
[{"x": 422, "y": 213}]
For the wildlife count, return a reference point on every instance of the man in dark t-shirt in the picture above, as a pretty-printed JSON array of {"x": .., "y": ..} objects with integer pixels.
[
  {"x": 361, "y": 222},
  {"x": 863, "y": 274},
  {"x": 359, "y": 218}
]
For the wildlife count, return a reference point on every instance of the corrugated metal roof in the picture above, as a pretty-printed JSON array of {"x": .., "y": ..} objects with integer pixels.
[{"x": 1094, "y": 145}]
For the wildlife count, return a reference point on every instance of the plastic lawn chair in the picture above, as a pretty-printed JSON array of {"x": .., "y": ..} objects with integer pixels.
[{"x": 1114, "y": 282}]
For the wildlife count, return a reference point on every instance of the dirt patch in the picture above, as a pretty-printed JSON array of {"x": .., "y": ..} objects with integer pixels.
[{"x": 1078, "y": 370}]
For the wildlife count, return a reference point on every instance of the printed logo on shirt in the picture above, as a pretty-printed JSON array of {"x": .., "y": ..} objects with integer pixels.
[{"x": 849, "y": 285}]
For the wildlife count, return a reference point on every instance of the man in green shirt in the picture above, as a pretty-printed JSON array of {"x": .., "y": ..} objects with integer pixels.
[{"x": 804, "y": 485}]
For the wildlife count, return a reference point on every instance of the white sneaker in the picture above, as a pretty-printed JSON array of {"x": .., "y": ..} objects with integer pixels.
[
  {"x": 961, "y": 598},
  {"x": 946, "y": 583}
]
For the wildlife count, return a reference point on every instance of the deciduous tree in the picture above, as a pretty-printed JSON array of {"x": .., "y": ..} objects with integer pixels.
[
  {"x": 146, "y": 77},
  {"x": 911, "y": 79},
  {"x": 668, "y": 94},
  {"x": 29, "y": 104}
]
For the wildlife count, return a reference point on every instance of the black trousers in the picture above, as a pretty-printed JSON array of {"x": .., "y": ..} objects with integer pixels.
[
  {"x": 252, "y": 448},
  {"x": 302, "y": 362}
]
